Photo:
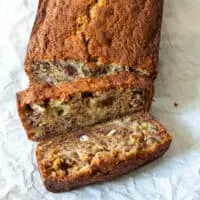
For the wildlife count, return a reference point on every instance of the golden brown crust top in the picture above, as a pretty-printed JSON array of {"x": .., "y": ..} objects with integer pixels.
[
  {"x": 63, "y": 90},
  {"x": 124, "y": 32}
]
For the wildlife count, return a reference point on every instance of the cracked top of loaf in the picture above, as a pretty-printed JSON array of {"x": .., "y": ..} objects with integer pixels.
[{"x": 95, "y": 32}]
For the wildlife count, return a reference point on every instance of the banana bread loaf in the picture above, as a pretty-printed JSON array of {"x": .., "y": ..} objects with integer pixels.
[
  {"x": 51, "y": 109},
  {"x": 100, "y": 152},
  {"x": 89, "y": 38}
]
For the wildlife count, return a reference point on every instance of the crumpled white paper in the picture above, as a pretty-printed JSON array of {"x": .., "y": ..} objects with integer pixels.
[{"x": 176, "y": 176}]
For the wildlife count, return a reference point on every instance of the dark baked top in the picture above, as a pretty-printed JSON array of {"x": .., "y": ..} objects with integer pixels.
[{"x": 123, "y": 32}]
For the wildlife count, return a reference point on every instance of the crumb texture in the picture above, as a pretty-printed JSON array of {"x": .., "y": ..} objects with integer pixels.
[
  {"x": 63, "y": 90},
  {"x": 59, "y": 71},
  {"x": 101, "y": 148},
  {"x": 51, "y": 109},
  {"x": 55, "y": 116}
]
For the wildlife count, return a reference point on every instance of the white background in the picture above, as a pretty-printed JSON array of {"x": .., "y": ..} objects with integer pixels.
[{"x": 176, "y": 176}]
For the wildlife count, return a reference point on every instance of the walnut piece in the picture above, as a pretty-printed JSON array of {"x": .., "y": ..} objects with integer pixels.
[
  {"x": 84, "y": 138},
  {"x": 112, "y": 132}
]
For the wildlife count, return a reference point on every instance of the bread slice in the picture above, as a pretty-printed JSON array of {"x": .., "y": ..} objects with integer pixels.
[
  {"x": 100, "y": 152},
  {"x": 49, "y": 109},
  {"x": 89, "y": 38}
]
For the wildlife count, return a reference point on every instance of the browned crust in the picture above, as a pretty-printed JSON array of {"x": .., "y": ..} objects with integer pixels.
[
  {"x": 65, "y": 89},
  {"x": 27, "y": 128},
  {"x": 123, "y": 32},
  {"x": 142, "y": 158}
]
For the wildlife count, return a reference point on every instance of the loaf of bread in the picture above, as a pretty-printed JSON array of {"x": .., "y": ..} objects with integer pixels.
[
  {"x": 91, "y": 66},
  {"x": 100, "y": 152},
  {"x": 89, "y": 38},
  {"x": 51, "y": 109}
]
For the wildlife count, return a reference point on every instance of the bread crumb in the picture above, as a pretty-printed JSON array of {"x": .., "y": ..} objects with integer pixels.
[
  {"x": 84, "y": 138},
  {"x": 175, "y": 104}
]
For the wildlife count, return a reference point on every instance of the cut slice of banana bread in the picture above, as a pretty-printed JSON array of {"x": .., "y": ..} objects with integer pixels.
[
  {"x": 100, "y": 152},
  {"x": 89, "y": 38},
  {"x": 50, "y": 109}
]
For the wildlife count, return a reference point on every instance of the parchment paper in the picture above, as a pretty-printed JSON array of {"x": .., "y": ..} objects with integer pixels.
[{"x": 176, "y": 176}]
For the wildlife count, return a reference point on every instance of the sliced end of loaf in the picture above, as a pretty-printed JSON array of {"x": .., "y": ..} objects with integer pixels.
[
  {"x": 101, "y": 152},
  {"x": 47, "y": 110},
  {"x": 54, "y": 72}
]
